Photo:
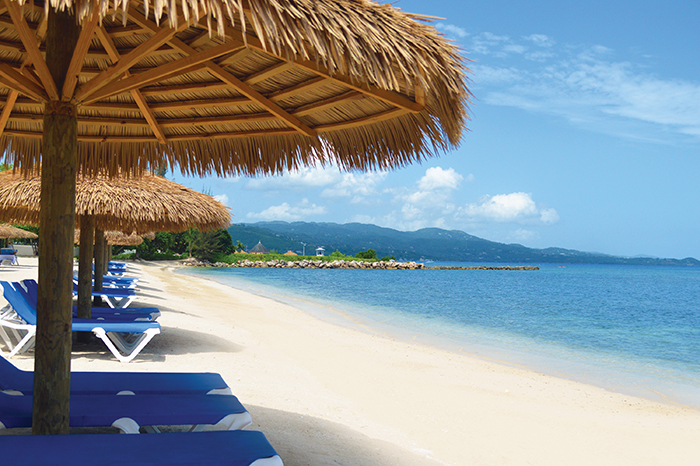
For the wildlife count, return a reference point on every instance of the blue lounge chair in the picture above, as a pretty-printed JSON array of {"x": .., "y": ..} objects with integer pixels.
[
  {"x": 29, "y": 289},
  {"x": 116, "y": 298},
  {"x": 112, "y": 282},
  {"x": 235, "y": 448},
  {"x": 128, "y": 413},
  {"x": 14, "y": 380},
  {"x": 120, "y": 336}
]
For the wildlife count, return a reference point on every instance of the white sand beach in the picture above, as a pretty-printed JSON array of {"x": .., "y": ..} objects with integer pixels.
[{"x": 329, "y": 395}]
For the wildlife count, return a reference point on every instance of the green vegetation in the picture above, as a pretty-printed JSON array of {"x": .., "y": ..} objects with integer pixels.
[
  {"x": 207, "y": 245},
  {"x": 368, "y": 254},
  {"x": 426, "y": 244},
  {"x": 217, "y": 246}
]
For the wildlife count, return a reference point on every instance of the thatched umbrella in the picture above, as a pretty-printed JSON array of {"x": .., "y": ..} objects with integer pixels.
[
  {"x": 222, "y": 86},
  {"x": 118, "y": 238},
  {"x": 114, "y": 238},
  {"x": 8, "y": 231},
  {"x": 140, "y": 204},
  {"x": 135, "y": 204}
]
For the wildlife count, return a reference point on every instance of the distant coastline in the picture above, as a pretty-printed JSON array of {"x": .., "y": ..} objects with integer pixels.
[{"x": 428, "y": 244}]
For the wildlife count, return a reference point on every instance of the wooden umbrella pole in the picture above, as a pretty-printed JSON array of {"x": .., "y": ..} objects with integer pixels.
[
  {"x": 87, "y": 246},
  {"x": 59, "y": 163},
  {"x": 100, "y": 268}
]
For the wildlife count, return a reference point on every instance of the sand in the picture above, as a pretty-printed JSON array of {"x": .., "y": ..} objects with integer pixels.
[{"x": 329, "y": 395}]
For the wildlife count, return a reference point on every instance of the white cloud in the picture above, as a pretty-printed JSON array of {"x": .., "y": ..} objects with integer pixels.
[
  {"x": 485, "y": 43},
  {"x": 540, "y": 40},
  {"x": 549, "y": 216},
  {"x": 285, "y": 212},
  {"x": 484, "y": 74},
  {"x": 515, "y": 48},
  {"x": 451, "y": 29},
  {"x": 356, "y": 185},
  {"x": 514, "y": 207},
  {"x": 586, "y": 86},
  {"x": 223, "y": 198},
  {"x": 437, "y": 178},
  {"x": 305, "y": 177}
]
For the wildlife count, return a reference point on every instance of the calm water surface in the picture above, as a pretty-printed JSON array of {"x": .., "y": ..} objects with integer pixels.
[{"x": 633, "y": 329}]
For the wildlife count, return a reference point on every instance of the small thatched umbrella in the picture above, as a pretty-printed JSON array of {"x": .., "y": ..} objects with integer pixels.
[
  {"x": 8, "y": 231},
  {"x": 118, "y": 238},
  {"x": 222, "y": 86},
  {"x": 138, "y": 205}
]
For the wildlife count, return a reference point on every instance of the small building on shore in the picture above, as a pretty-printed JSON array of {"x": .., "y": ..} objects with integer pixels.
[
  {"x": 320, "y": 251},
  {"x": 259, "y": 249},
  {"x": 290, "y": 253}
]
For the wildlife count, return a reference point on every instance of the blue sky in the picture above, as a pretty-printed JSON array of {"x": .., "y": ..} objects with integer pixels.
[{"x": 585, "y": 134}]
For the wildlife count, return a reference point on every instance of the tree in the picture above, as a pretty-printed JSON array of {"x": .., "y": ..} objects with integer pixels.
[
  {"x": 337, "y": 255},
  {"x": 368, "y": 254},
  {"x": 211, "y": 244},
  {"x": 239, "y": 246}
]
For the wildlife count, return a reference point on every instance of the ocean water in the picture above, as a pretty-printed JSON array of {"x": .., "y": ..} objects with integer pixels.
[{"x": 631, "y": 329}]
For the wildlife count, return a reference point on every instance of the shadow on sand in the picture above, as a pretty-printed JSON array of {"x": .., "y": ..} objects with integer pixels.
[
  {"x": 170, "y": 341},
  {"x": 328, "y": 443}
]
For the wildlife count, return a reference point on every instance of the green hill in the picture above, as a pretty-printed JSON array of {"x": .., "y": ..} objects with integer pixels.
[{"x": 429, "y": 244}]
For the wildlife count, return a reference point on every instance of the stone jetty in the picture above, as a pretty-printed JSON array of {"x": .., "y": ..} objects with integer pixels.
[{"x": 342, "y": 264}]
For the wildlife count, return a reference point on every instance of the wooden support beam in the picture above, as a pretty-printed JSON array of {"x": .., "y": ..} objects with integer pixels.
[
  {"x": 268, "y": 73},
  {"x": 126, "y": 31},
  {"x": 160, "y": 73},
  {"x": 420, "y": 93},
  {"x": 13, "y": 95},
  {"x": 76, "y": 63},
  {"x": 260, "y": 99},
  {"x": 144, "y": 123},
  {"x": 234, "y": 57},
  {"x": 59, "y": 165},
  {"x": 302, "y": 88},
  {"x": 85, "y": 254},
  {"x": 230, "y": 79},
  {"x": 201, "y": 39},
  {"x": 7, "y": 109},
  {"x": 140, "y": 100},
  {"x": 20, "y": 83},
  {"x": 117, "y": 70},
  {"x": 28, "y": 39},
  {"x": 173, "y": 138}
]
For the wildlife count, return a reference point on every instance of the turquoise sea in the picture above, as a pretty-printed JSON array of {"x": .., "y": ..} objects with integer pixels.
[{"x": 631, "y": 329}]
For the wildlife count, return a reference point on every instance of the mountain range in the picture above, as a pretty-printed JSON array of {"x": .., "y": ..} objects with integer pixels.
[{"x": 426, "y": 244}]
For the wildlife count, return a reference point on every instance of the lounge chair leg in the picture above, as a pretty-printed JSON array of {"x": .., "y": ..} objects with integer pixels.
[
  {"x": 126, "y": 425},
  {"x": 142, "y": 342}
]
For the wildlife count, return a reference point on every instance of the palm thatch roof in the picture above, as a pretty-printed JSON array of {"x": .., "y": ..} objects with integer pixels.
[
  {"x": 131, "y": 204},
  {"x": 236, "y": 86},
  {"x": 8, "y": 231},
  {"x": 118, "y": 238},
  {"x": 259, "y": 249}
]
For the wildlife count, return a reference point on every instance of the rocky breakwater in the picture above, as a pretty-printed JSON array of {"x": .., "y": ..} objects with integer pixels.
[{"x": 315, "y": 264}]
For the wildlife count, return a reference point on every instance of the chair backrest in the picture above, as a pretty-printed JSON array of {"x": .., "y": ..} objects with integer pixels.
[
  {"x": 18, "y": 303},
  {"x": 28, "y": 288},
  {"x": 8, "y": 374}
]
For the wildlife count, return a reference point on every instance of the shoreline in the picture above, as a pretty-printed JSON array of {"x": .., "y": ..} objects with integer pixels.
[
  {"x": 324, "y": 394},
  {"x": 631, "y": 377}
]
